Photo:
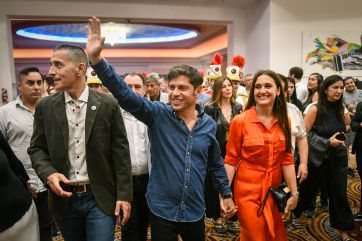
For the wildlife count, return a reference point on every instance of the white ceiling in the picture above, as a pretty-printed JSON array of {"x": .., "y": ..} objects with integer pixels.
[{"x": 206, "y": 3}]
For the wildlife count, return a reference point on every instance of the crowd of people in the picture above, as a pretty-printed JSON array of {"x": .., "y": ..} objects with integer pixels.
[{"x": 94, "y": 148}]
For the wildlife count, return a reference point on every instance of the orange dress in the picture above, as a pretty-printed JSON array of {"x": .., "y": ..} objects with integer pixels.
[{"x": 259, "y": 154}]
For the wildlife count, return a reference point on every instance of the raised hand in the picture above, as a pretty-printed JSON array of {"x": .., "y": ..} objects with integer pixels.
[{"x": 95, "y": 41}]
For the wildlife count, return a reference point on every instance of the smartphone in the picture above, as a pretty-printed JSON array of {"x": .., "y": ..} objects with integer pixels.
[{"x": 341, "y": 136}]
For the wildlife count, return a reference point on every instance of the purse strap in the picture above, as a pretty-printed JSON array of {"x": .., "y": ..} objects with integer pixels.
[{"x": 261, "y": 209}]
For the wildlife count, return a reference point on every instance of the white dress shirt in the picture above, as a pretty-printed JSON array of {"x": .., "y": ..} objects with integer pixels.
[
  {"x": 139, "y": 145},
  {"x": 76, "y": 111},
  {"x": 16, "y": 124}
]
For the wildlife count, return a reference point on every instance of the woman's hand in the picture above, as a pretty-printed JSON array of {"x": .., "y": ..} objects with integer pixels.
[
  {"x": 291, "y": 203},
  {"x": 227, "y": 206},
  {"x": 334, "y": 142}
]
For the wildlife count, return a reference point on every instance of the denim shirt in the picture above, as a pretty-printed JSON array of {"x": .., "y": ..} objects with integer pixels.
[{"x": 180, "y": 158}]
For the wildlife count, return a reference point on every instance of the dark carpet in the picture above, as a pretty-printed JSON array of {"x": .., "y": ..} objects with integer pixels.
[{"x": 309, "y": 229}]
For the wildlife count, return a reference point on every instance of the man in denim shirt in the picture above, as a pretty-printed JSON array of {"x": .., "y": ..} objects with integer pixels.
[{"x": 183, "y": 147}]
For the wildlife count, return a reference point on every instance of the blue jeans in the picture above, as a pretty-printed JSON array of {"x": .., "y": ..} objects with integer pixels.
[{"x": 86, "y": 221}]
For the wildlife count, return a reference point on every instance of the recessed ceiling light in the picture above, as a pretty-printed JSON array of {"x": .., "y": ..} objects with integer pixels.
[{"x": 115, "y": 33}]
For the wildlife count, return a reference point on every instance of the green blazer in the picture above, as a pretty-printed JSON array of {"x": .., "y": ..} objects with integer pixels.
[{"x": 107, "y": 152}]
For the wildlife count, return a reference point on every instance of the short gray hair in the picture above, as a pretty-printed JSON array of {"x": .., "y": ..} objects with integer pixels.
[{"x": 153, "y": 77}]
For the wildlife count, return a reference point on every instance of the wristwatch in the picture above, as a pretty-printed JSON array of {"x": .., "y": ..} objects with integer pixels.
[{"x": 229, "y": 195}]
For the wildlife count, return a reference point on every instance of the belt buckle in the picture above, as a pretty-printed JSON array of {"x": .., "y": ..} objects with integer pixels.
[{"x": 79, "y": 186}]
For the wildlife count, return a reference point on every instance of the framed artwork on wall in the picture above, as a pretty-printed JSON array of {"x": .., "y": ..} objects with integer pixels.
[{"x": 332, "y": 52}]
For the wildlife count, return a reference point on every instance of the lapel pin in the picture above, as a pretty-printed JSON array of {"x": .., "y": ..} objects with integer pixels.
[{"x": 93, "y": 107}]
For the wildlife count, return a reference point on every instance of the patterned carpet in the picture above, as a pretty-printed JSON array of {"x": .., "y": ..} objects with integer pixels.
[{"x": 312, "y": 229}]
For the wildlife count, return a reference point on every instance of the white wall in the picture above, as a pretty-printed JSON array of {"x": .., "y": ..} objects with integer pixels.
[
  {"x": 289, "y": 18},
  {"x": 257, "y": 34},
  {"x": 231, "y": 16},
  {"x": 7, "y": 73},
  {"x": 268, "y": 33}
]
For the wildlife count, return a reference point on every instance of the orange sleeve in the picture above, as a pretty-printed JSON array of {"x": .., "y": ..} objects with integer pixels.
[
  {"x": 233, "y": 147},
  {"x": 289, "y": 159}
]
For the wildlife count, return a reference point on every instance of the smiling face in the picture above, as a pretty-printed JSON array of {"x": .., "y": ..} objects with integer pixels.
[
  {"x": 312, "y": 83},
  {"x": 265, "y": 91},
  {"x": 64, "y": 71},
  {"x": 350, "y": 85},
  {"x": 182, "y": 94},
  {"x": 334, "y": 91},
  {"x": 31, "y": 87}
]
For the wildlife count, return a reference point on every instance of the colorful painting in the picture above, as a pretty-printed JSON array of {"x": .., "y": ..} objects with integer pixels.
[{"x": 333, "y": 53}]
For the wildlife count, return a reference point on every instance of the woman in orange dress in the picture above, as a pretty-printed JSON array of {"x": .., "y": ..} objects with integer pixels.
[{"x": 259, "y": 154}]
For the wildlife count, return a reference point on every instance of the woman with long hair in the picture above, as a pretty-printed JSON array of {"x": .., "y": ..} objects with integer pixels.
[
  {"x": 222, "y": 108},
  {"x": 292, "y": 94},
  {"x": 327, "y": 120},
  {"x": 299, "y": 135},
  {"x": 314, "y": 82},
  {"x": 259, "y": 154}
]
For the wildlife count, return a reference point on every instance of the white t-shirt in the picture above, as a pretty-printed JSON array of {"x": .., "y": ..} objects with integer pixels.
[
  {"x": 301, "y": 91},
  {"x": 296, "y": 122}
]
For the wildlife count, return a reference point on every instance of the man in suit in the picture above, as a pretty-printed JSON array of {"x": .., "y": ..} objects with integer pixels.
[{"x": 79, "y": 148}]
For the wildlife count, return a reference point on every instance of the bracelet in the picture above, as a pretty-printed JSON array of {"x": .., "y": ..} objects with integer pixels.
[{"x": 296, "y": 194}]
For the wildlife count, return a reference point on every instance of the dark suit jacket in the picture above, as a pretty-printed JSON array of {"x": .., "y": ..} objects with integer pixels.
[
  {"x": 14, "y": 163},
  {"x": 107, "y": 153}
]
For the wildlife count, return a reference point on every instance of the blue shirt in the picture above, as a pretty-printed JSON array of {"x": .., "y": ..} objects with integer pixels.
[
  {"x": 203, "y": 99},
  {"x": 180, "y": 158}
]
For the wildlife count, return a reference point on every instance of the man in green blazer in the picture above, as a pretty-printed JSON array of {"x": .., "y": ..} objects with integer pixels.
[{"x": 79, "y": 148}]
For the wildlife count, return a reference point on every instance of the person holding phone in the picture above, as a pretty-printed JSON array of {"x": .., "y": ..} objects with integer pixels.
[{"x": 329, "y": 120}]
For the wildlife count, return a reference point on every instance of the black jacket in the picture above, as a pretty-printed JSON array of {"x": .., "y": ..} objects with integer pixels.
[
  {"x": 15, "y": 198},
  {"x": 222, "y": 125}
]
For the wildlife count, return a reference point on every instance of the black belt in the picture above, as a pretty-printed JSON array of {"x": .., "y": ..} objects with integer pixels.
[
  {"x": 137, "y": 177},
  {"x": 80, "y": 188}
]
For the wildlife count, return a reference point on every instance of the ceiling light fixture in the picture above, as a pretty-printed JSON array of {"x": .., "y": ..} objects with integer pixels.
[{"x": 114, "y": 33}]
